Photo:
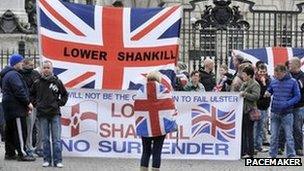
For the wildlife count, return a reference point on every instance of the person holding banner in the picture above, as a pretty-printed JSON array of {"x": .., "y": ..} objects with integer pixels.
[
  {"x": 48, "y": 94},
  {"x": 154, "y": 111},
  {"x": 237, "y": 80},
  {"x": 250, "y": 90}
]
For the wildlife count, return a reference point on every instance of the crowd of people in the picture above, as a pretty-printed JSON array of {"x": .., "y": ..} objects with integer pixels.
[
  {"x": 279, "y": 99},
  {"x": 31, "y": 103}
]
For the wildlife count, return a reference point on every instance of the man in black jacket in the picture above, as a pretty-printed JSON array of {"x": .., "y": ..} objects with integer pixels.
[
  {"x": 263, "y": 104},
  {"x": 48, "y": 94},
  {"x": 16, "y": 105},
  {"x": 207, "y": 76},
  {"x": 29, "y": 76}
]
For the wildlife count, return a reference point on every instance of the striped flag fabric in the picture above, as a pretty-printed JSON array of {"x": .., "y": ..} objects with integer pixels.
[
  {"x": 106, "y": 47},
  {"x": 271, "y": 56},
  {"x": 154, "y": 110}
]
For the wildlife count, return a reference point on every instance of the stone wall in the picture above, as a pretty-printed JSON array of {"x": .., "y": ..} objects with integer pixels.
[
  {"x": 10, "y": 41},
  {"x": 17, "y": 6}
]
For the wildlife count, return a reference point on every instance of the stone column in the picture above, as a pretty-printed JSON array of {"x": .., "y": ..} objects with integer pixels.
[{"x": 17, "y": 7}]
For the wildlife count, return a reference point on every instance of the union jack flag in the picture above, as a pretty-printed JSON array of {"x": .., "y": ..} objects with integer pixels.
[
  {"x": 106, "y": 47},
  {"x": 154, "y": 110},
  {"x": 271, "y": 56},
  {"x": 210, "y": 120}
]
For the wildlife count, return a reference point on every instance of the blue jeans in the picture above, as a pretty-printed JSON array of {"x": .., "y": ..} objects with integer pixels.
[
  {"x": 258, "y": 130},
  {"x": 285, "y": 121},
  {"x": 30, "y": 121},
  {"x": 297, "y": 130},
  {"x": 51, "y": 126}
]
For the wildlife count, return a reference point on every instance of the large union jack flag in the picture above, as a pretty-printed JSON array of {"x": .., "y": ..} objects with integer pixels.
[
  {"x": 106, "y": 47},
  {"x": 154, "y": 110},
  {"x": 271, "y": 56},
  {"x": 207, "y": 119}
]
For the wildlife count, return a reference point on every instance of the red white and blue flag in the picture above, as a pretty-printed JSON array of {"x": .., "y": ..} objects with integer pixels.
[
  {"x": 271, "y": 56},
  {"x": 106, "y": 47},
  {"x": 79, "y": 118},
  {"x": 207, "y": 119},
  {"x": 154, "y": 110}
]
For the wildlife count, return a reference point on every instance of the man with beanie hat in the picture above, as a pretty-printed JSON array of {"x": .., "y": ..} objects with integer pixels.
[
  {"x": 15, "y": 59},
  {"x": 16, "y": 105}
]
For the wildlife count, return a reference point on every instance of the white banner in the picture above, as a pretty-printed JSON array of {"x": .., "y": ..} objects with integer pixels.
[{"x": 102, "y": 124}]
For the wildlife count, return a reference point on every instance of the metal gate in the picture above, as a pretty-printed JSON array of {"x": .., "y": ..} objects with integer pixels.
[
  {"x": 5, "y": 53},
  {"x": 222, "y": 27}
]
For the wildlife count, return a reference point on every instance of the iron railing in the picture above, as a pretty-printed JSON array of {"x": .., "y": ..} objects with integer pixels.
[
  {"x": 5, "y": 53},
  {"x": 222, "y": 27}
]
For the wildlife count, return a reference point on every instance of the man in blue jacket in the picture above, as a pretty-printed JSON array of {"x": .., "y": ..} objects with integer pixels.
[
  {"x": 286, "y": 94},
  {"x": 16, "y": 105}
]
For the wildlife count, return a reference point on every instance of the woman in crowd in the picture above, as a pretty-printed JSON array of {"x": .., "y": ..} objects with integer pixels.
[
  {"x": 250, "y": 91},
  {"x": 153, "y": 135}
]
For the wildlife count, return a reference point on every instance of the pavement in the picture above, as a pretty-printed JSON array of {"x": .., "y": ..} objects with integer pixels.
[{"x": 121, "y": 164}]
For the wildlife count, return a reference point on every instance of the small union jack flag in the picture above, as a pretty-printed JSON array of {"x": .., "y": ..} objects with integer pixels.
[
  {"x": 207, "y": 119},
  {"x": 154, "y": 110}
]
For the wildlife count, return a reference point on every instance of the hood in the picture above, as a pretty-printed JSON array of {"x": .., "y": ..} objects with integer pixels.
[
  {"x": 50, "y": 78},
  {"x": 26, "y": 71},
  {"x": 6, "y": 70},
  {"x": 297, "y": 75}
]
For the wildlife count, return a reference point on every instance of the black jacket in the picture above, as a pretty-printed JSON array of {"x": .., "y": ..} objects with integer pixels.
[
  {"x": 15, "y": 99},
  {"x": 47, "y": 95},
  {"x": 300, "y": 79},
  {"x": 263, "y": 102},
  {"x": 30, "y": 76},
  {"x": 208, "y": 80}
]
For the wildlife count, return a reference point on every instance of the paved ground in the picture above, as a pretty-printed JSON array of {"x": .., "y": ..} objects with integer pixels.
[{"x": 108, "y": 164}]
